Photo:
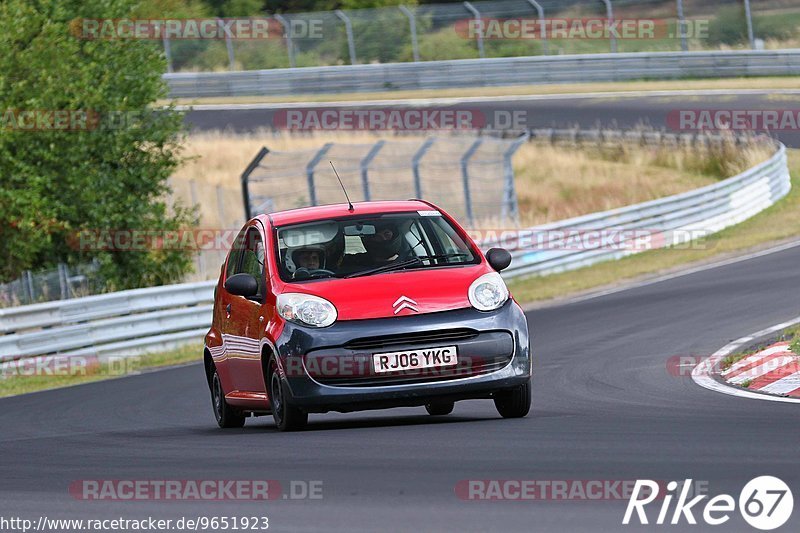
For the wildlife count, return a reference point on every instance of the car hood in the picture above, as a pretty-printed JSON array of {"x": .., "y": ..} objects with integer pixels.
[{"x": 401, "y": 293}]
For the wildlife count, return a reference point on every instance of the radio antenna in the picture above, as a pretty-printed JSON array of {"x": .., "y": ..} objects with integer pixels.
[{"x": 349, "y": 203}]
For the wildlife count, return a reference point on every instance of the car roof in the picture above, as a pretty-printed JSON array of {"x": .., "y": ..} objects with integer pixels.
[{"x": 322, "y": 212}]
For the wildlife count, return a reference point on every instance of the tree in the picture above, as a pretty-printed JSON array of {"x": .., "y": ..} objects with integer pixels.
[{"x": 110, "y": 173}]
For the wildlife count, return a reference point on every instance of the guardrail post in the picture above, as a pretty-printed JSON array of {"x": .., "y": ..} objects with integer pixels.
[
  {"x": 682, "y": 27},
  {"x": 287, "y": 34},
  {"x": 749, "y": 16},
  {"x": 364, "y": 165},
  {"x": 228, "y": 45},
  {"x": 465, "y": 177},
  {"x": 28, "y": 278},
  {"x": 248, "y": 210},
  {"x": 63, "y": 281},
  {"x": 510, "y": 207},
  {"x": 312, "y": 190},
  {"x": 348, "y": 28},
  {"x": 167, "y": 52},
  {"x": 412, "y": 24},
  {"x": 542, "y": 25},
  {"x": 477, "y": 16},
  {"x": 610, "y": 17},
  {"x": 415, "y": 164}
]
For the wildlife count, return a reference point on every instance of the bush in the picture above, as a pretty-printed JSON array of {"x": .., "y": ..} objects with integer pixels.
[
  {"x": 730, "y": 27},
  {"x": 54, "y": 182}
]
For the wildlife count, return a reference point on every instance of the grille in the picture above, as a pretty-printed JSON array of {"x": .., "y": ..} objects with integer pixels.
[{"x": 373, "y": 343}]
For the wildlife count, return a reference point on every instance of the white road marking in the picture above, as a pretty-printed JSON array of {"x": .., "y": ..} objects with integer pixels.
[
  {"x": 784, "y": 385},
  {"x": 762, "y": 369}
]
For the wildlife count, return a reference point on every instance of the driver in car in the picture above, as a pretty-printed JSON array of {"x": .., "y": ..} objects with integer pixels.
[{"x": 307, "y": 259}]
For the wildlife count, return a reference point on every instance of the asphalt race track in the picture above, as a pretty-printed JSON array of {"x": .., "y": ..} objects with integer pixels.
[
  {"x": 605, "y": 408},
  {"x": 552, "y": 111}
]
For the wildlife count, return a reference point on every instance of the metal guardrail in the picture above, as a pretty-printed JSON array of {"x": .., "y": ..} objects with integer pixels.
[
  {"x": 140, "y": 320},
  {"x": 485, "y": 72},
  {"x": 672, "y": 220},
  {"x": 124, "y": 322}
]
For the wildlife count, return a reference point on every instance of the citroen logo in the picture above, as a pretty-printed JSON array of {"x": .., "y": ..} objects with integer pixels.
[{"x": 404, "y": 302}]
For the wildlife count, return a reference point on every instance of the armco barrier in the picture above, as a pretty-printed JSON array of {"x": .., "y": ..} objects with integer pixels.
[
  {"x": 699, "y": 212},
  {"x": 130, "y": 322},
  {"x": 485, "y": 72}
]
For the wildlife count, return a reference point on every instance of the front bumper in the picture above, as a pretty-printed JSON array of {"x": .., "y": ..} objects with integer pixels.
[{"x": 496, "y": 344}]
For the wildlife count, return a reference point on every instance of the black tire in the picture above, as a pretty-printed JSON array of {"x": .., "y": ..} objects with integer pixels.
[
  {"x": 227, "y": 416},
  {"x": 439, "y": 408},
  {"x": 287, "y": 417},
  {"x": 514, "y": 403}
]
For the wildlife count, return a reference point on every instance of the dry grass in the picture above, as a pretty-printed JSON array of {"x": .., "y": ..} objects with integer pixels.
[
  {"x": 776, "y": 223},
  {"x": 552, "y": 182},
  {"x": 218, "y": 158},
  {"x": 558, "y": 182}
]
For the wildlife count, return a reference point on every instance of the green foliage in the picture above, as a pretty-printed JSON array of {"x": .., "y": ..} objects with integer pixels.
[
  {"x": 729, "y": 27},
  {"x": 55, "y": 183},
  {"x": 363, "y": 4}
]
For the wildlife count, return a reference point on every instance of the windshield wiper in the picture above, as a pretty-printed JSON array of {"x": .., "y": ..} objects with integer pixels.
[
  {"x": 403, "y": 264},
  {"x": 442, "y": 256},
  {"x": 385, "y": 268}
]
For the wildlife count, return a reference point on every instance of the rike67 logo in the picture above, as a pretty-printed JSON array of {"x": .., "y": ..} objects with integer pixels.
[{"x": 765, "y": 503}]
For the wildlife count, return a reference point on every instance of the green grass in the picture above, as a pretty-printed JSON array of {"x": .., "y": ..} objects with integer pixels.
[
  {"x": 14, "y": 384},
  {"x": 776, "y": 223}
]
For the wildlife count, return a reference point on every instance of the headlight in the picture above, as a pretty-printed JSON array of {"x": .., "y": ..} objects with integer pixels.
[
  {"x": 488, "y": 292},
  {"x": 306, "y": 309}
]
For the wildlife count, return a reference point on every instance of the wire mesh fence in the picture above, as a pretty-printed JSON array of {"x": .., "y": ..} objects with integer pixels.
[
  {"x": 497, "y": 28},
  {"x": 60, "y": 283},
  {"x": 471, "y": 177}
]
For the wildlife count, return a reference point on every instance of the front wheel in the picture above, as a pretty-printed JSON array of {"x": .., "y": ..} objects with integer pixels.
[
  {"x": 514, "y": 403},
  {"x": 287, "y": 417},
  {"x": 227, "y": 416}
]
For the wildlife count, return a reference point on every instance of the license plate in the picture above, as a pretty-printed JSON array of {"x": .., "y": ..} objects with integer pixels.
[{"x": 415, "y": 359}]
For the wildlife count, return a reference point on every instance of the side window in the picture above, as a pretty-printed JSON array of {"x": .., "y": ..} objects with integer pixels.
[
  {"x": 253, "y": 257},
  {"x": 234, "y": 255}
]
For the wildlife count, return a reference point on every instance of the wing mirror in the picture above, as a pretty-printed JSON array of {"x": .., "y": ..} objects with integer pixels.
[
  {"x": 242, "y": 284},
  {"x": 498, "y": 258}
]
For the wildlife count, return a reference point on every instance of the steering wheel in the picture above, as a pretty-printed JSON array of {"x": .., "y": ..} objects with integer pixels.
[{"x": 304, "y": 273}]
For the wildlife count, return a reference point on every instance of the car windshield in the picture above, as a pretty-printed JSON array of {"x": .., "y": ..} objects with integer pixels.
[{"x": 375, "y": 244}]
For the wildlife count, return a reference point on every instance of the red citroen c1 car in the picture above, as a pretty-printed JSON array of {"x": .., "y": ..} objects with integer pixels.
[{"x": 364, "y": 306}]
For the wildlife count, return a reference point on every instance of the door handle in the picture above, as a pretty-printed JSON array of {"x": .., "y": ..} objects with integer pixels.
[{"x": 228, "y": 310}]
